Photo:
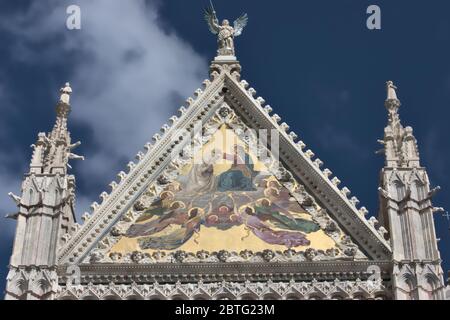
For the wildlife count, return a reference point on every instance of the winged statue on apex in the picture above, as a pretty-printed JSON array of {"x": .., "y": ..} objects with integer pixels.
[{"x": 226, "y": 33}]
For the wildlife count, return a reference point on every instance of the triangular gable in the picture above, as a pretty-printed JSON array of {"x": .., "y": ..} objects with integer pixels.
[
  {"x": 224, "y": 203},
  {"x": 223, "y": 89}
]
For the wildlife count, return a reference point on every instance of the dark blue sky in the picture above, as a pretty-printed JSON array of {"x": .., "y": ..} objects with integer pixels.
[{"x": 314, "y": 62}]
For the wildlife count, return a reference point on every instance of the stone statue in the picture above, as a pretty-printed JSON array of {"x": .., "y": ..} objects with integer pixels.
[
  {"x": 65, "y": 93},
  {"x": 391, "y": 94},
  {"x": 225, "y": 32}
]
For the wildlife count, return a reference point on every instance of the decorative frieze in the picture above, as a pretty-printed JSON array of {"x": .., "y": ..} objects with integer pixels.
[
  {"x": 291, "y": 290},
  {"x": 31, "y": 283}
]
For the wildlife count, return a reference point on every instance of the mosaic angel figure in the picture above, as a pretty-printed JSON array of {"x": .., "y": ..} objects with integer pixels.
[{"x": 241, "y": 195}]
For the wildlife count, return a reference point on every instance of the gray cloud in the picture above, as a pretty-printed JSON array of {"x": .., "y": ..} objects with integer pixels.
[
  {"x": 128, "y": 74},
  {"x": 8, "y": 181}
]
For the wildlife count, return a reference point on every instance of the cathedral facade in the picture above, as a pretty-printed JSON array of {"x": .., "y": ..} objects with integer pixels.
[{"x": 226, "y": 202}]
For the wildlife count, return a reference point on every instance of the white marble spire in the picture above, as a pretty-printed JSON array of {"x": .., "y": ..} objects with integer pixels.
[{"x": 406, "y": 211}]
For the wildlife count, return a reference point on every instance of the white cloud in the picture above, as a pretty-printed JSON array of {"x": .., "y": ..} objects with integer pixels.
[{"x": 128, "y": 73}]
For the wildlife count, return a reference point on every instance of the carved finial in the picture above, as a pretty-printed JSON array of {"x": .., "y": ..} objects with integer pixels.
[
  {"x": 373, "y": 221},
  {"x": 63, "y": 106},
  {"x": 400, "y": 145},
  {"x": 392, "y": 103},
  {"x": 383, "y": 193},
  {"x": 15, "y": 198},
  {"x": 363, "y": 211},
  {"x": 433, "y": 191},
  {"x": 65, "y": 93}
]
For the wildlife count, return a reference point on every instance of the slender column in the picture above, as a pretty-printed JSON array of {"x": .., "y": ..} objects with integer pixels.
[
  {"x": 46, "y": 201},
  {"x": 406, "y": 211}
]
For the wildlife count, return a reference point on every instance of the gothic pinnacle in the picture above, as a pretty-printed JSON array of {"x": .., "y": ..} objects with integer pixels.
[{"x": 400, "y": 146}]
